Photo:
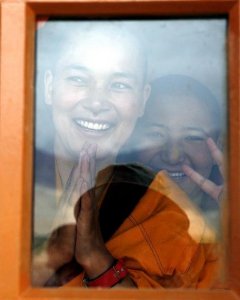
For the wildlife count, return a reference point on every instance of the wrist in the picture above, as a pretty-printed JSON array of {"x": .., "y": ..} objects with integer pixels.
[
  {"x": 110, "y": 277},
  {"x": 96, "y": 263}
]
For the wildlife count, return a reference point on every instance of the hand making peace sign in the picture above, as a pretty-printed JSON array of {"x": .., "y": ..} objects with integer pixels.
[{"x": 212, "y": 189}]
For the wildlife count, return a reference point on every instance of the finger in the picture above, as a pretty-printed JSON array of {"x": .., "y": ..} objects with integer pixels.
[
  {"x": 85, "y": 167},
  {"x": 206, "y": 185},
  {"x": 76, "y": 194},
  {"x": 86, "y": 200},
  {"x": 221, "y": 194},
  {"x": 92, "y": 149},
  {"x": 88, "y": 166},
  {"x": 92, "y": 160},
  {"x": 64, "y": 216},
  {"x": 72, "y": 182},
  {"x": 216, "y": 154},
  {"x": 85, "y": 219},
  {"x": 69, "y": 188},
  {"x": 68, "y": 200},
  {"x": 84, "y": 149},
  {"x": 86, "y": 146}
]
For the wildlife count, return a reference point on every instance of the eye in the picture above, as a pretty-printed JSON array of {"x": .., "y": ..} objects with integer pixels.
[
  {"x": 120, "y": 86},
  {"x": 77, "y": 80},
  {"x": 156, "y": 135},
  {"x": 194, "y": 138}
]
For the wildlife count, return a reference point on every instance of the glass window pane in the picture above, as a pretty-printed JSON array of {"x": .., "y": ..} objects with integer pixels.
[{"x": 130, "y": 141}]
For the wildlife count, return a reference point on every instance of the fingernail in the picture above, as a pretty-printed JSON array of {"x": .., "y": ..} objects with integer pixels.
[
  {"x": 210, "y": 140},
  {"x": 84, "y": 187},
  {"x": 93, "y": 148},
  {"x": 185, "y": 168}
]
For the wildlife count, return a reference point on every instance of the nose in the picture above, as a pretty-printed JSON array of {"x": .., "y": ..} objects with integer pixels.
[
  {"x": 173, "y": 153},
  {"x": 97, "y": 101}
]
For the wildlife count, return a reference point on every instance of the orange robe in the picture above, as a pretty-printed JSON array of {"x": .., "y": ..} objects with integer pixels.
[{"x": 165, "y": 241}]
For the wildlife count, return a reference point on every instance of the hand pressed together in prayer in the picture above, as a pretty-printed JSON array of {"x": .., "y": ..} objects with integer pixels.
[
  {"x": 212, "y": 189},
  {"x": 61, "y": 246},
  {"x": 90, "y": 250},
  {"x": 76, "y": 230}
]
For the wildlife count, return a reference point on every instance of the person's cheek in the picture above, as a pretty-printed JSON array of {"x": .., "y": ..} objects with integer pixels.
[
  {"x": 149, "y": 152},
  {"x": 200, "y": 158},
  {"x": 66, "y": 96},
  {"x": 128, "y": 112},
  {"x": 144, "y": 155}
]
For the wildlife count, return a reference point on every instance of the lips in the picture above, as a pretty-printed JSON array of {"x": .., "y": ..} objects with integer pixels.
[
  {"x": 176, "y": 175},
  {"x": 95, "y": 126}
]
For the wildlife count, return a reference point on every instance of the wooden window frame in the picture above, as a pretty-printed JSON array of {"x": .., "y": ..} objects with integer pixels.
[{"x": 16, "y": 127}]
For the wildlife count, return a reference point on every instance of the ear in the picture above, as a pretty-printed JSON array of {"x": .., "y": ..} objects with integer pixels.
[
  {"x": 48, "y": 86},
  {"x": 146, "y": 94}
]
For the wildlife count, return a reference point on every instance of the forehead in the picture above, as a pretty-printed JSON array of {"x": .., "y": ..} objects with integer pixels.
[
  {"x": 175, "y": 102},
  {"x": 100, "y": 48},
  {"x": 179, "y": 111}
]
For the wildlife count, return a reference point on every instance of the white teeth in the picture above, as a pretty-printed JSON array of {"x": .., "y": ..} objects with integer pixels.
[
  {"x": 176, "y": 174},
  {"x": 93, "y": 126}
]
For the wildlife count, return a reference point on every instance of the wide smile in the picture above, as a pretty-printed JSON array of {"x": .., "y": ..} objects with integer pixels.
[
  {"x": 177, "y": 175},
  {"x": 93, "y": 126}
]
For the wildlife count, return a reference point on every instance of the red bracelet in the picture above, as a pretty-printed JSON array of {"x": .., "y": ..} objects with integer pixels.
[{"x": 110, "y": 277}]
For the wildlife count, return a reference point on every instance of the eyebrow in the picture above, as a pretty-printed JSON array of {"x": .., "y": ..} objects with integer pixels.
[
  {"x": 124, "y": 75},
  {"x": 114, "y": 75},
  {"x": 196, "y": 129},
  {"x": 76, "y": 67},
  {"x": 156, "y": 125},
  {"x": 185, "y": 128}
]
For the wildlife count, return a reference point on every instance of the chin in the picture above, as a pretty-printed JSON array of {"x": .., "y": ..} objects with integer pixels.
[
  {"x": 188, "y": 188},
  {"x": 193, "y": 192}
]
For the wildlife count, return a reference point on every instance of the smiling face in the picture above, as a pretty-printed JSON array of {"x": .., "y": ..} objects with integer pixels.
[
  {"x": 96, "y": 91},
  {"x": 174, "y": 133}
]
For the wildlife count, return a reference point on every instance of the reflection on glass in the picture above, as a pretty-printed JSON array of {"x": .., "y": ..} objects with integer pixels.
[
  {"x": 181, "y": 133},
  {"x": 128, "y": 159}
]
